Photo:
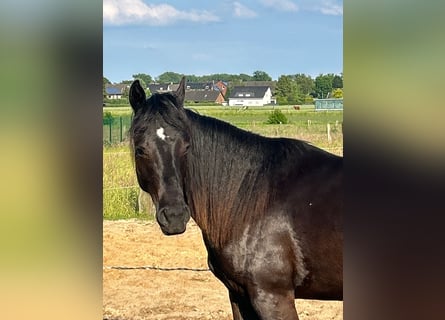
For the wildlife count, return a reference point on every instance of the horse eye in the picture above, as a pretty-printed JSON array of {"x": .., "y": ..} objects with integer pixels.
[
  {"x": 186, "y": 148},
  {"x": 139, "y": 152}
]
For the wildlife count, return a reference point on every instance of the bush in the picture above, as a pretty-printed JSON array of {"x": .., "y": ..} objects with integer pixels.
[
  {"x": 308, "y": 100},
  {"x": 111, "y": 102},
  {"x": 277, "y": 117},
  {"x": 107, "y": 118}
]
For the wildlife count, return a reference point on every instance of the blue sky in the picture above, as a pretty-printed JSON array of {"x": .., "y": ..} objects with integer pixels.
[{"x": 206, "y": 37}]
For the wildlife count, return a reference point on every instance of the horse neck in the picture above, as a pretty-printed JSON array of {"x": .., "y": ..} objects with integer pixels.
[{"x": 223, "y": 179}]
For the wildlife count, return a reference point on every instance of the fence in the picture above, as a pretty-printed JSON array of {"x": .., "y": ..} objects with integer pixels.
[{"x": 115, "y": 128}]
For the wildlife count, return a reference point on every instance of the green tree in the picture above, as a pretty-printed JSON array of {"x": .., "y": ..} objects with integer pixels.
[
  {"x": 105, "y": 82},
  {"x": 169, "y": 76},
  {"x": 287, "y": 91},
  {"x": 337, "y": 82},
  {"x": 244, "y": 77},
  {"x": 305, "y": 83},
  {"x": 261, "y": 76},
  {"x": 323, "y": 85},
  {"x": 145, "y": 77},
  {"x": 193, "y": 78}
]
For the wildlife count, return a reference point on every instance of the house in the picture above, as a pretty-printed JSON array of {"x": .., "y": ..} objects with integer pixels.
[
  {"x": 159, "y": 87},
  {"x": 204, "y": 86},
  {"x": 221, "y": 86},
  {"x": 251, "y": 96},
  {"x": 115, "y": 91},
  {"x": 211, "y": 92},
  {"x": 199, "y": 86},
  {"x": 272, "y": 84},
  {"x": 328, "y": 104},
  {"x": 211, "y": 96}
]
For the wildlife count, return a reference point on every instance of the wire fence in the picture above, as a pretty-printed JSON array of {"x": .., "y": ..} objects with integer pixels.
[
  {"x": 156, "y": 268},
  {"x": 115, "y": 129}
]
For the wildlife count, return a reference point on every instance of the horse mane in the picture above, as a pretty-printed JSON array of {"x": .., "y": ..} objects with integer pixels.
[{"x": 230, "y": 180}]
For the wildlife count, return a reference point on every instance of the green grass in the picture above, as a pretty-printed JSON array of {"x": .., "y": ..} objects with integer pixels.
[
  {"x": 252, "y": 119},
  {"x": 120, "y": 190}
]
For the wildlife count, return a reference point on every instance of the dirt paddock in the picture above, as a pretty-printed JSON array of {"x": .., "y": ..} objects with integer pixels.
[{"x": 178, "y": 294}]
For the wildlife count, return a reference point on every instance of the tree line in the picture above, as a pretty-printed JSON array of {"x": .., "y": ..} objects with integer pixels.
[{"x": 289, "y": 89}]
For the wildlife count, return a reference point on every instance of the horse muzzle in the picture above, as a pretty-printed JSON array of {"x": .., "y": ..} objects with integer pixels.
[{"x": 173, "y": 219}]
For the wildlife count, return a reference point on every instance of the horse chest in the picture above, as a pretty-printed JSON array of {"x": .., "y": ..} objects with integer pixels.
[{"x": 264, "y": 253}]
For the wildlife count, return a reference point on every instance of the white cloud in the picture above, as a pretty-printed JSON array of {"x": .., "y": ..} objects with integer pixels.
[
  {"x": 121, "y": 12},
  {"x": 241, "y": 11},
  {"x": 331, "y": 8},
  {"x": 326, "y": 7},
  {"x": 282, "y": 5}
]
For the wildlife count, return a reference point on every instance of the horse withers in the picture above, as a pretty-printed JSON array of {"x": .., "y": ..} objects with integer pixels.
[{"x": 270, "y": 209}]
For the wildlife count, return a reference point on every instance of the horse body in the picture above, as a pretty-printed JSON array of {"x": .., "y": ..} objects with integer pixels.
[
  {"x": 269, "y": 208},
  {"x": 295, "y": 195}
]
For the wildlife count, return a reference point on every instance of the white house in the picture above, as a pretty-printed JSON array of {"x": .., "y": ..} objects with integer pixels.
[
  {"x": 250, "y": 96},
  {"x": 115, "y": 91}
]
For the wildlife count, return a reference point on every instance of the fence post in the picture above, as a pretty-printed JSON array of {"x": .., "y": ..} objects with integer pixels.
[
  {"x": 109, "y": 126},
  {"x": 329, "y": 132},
  {"x": 120, "y": 120}
]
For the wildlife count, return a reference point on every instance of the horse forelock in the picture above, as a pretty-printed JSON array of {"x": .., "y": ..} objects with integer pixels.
[{"x": 159, "y": 105}]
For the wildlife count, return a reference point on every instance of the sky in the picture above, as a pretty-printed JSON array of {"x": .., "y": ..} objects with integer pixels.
[{"x": 279, "y": 37}]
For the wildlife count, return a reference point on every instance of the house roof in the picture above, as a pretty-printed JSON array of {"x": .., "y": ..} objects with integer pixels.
[
  {"x": 199, "y": 85},
  {"x": 248, "y": 92},
  {"x": 210, "y": 85},
  {"x": 159, "y": 87},
  {"x": 115, "y": 88},
  {"x": 202, "y": 95}
]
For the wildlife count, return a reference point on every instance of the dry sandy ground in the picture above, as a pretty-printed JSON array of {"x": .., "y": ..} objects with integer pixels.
[{"x": 154, "y": 294}]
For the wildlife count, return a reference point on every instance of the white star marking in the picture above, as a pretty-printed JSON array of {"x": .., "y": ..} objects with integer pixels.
[{"x": 160, "y": 133}]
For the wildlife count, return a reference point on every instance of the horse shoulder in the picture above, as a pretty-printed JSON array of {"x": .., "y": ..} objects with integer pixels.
[{"x": 267, "y": 254}]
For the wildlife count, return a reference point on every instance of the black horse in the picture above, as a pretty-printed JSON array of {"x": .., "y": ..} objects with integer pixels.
[{"x": 270, "y": 209}]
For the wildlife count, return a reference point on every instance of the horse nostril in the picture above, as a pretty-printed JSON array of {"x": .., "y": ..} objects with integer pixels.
[{"x": 161, "y": 216}]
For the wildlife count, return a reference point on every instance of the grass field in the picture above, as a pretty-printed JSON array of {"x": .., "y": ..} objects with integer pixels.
[{"x": 120, "y": 190}]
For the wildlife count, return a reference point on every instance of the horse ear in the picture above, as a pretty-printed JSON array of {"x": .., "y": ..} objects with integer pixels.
[
  {"x": 180, "y": 92},
  {"x": 136, "y": 95}
]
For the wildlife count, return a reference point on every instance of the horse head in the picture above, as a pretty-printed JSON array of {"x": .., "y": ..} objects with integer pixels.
[{"x": 160, "y": 140}]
